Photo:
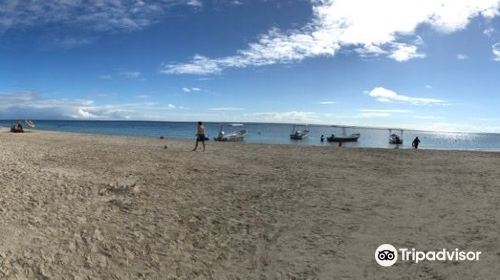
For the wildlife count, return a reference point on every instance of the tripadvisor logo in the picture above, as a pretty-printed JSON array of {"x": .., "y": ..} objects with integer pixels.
[{"x": 387, "y": 255}]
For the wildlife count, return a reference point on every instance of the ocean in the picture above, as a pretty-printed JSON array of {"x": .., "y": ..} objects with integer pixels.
[{"x": 277, "y": 133}]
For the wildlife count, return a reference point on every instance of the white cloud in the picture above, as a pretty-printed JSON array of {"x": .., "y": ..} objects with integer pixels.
[
  {"x": 370, "y": 51},
  {"x": 285, "y": 117},
  {"x": 29, "y": 105},
  {"x": 385, "y": 111},
  {"x": 402, "y": 52},
  {"x": 387, "y": 95},
  {"x": 380, "y": 113},
  {"x": 195, "y": 3},
  {"x": 418, "y": 40},
  {"x": 327, "y": 102},
  {"x": 198, "y": 65},
  {"x": 496, "y": 51},
  {"x": 489, "y": 31},
  {"x": 428, "y": 86},
  {"x": 226, "y": 109},
  {"x": 462, "y": 56},
  {"x": 99, "y": 15},
  {"x": 190, "y": 89},
  {"x": 371, "y": 27}
]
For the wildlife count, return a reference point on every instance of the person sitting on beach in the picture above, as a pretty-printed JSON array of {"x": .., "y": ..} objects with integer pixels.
[
  {"x": 16, "y": 127},
  {"x": 415, "y": 143},
  {"x": 200, "y": 136}
]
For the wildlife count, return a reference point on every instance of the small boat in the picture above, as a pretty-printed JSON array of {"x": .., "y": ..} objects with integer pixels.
[
  {"x": 395, "y": 139},
  {"x": 29, "y": 124},
  {"x": 299, "y": 132},
  {"x": 233, "y": 136},
  {"x": 350, "y": 138}
]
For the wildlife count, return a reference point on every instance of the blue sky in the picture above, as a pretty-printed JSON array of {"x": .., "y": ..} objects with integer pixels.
[{"x": 427, "y": 64}]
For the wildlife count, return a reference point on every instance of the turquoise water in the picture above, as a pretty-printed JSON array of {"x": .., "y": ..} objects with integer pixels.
[{"x": 277, "y": 133}]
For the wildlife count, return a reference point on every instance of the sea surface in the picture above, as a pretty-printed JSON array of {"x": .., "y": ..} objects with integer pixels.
[{"x": 278, "y": 133}]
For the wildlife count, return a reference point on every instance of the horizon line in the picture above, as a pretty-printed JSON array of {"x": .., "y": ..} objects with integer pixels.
[{"x": 259, "y": 122}]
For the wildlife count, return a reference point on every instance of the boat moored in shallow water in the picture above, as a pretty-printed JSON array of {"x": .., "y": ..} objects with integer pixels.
[
  {"x": 233, "y": 136},
  {"x": 348, "y": 138},
  {"x": 299, "y": 132},
  {"x": 353, "y": 137},
  {"x": 29, "y": 124},
  {"x": 394, "y": 138}
]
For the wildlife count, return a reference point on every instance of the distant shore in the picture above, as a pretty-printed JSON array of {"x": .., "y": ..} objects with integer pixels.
[{"x": 77, "y": 206}]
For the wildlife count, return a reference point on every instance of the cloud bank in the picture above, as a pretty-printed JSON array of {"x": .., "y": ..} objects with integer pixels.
[
  {"x": 284, "y": 117},
  {"x": 28, "y": 105},
  {"x": 386, "y": 95},
  {"x": 369, "y": 27}
]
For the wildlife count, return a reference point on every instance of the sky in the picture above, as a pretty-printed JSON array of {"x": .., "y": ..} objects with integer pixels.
[{"x": 416, "y": 64}]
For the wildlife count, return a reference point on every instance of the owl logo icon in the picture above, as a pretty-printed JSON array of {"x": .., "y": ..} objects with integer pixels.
[{"x": 386, "y": 255}]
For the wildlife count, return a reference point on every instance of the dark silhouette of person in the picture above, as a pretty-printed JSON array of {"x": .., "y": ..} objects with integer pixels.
[
  {"x": 322, "y": 139},
  {"x": 415, "y": 142}
]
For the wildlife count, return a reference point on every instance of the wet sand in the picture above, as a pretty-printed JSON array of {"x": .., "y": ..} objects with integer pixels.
[{"x": 100, "y": 207}]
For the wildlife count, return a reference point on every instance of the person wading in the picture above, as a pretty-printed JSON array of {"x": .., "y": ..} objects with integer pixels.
[{"x": 415, "y": 143}]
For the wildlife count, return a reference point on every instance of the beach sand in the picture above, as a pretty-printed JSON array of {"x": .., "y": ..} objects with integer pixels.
[{"x": 78, "y": 206}]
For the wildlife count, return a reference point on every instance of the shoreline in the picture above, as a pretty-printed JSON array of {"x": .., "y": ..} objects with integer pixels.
[{"x": 211, "y": 141}]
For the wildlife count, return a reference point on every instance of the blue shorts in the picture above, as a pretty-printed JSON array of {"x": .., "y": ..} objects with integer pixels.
[{"x": 200, "y": 137}]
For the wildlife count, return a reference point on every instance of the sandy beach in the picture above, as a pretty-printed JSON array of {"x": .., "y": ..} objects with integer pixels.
[{"x": 101, "y": 207}]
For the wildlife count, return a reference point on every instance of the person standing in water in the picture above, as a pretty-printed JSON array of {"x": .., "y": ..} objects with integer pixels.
[
  {"x": 415, "y": 143},
  {"x": 322, "y": 139},
  {"x": 200, "y": 136}
]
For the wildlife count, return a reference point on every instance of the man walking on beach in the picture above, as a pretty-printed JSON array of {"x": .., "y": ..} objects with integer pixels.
[
  {"x": 415, "y": 143},
  {"x": 200, "y": 136}
]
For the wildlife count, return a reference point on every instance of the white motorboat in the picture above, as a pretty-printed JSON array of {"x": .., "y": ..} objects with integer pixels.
[
  {"x": 299, "y": 132},
  {"x": 233, "y": 136},
  {"x": 29, "y": 124}
]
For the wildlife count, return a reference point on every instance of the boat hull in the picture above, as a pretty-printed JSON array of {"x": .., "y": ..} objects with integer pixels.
[
  {"x": 229, "y": 139},
  {"x": 299, "y": 134},
  {"x": 232, "y": 137},
  {"x": 352, "y": 138},
  {"x": 297, "y": 137},
  {"x": 395, "y": 140}
]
